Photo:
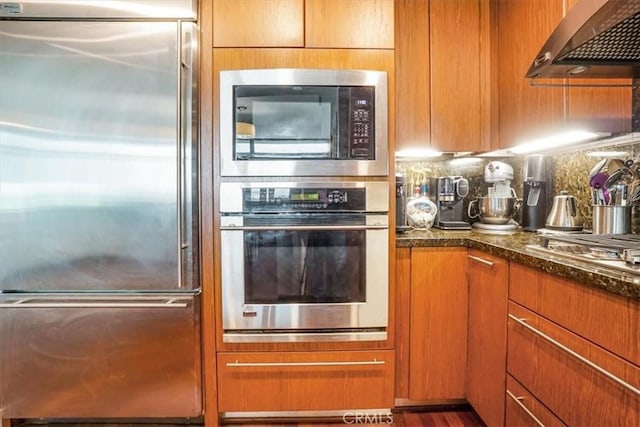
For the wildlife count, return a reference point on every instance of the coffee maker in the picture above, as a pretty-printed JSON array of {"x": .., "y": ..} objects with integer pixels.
[
  {"x": 448, "y": 193},
  {"x": 401, "y": 204},
  {"x": 535, "y": 187}
]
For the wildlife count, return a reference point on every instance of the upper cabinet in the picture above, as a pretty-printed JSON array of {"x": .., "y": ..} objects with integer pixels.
[
  {"x": 526, "y": 111},
  {"x": 303, "y": 23},
  {"x": 360, "y": 24},
  {"x": 442, "y": 69}
]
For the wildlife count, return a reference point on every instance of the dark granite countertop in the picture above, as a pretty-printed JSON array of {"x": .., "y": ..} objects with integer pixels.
[{"x": 513, "y": 247}]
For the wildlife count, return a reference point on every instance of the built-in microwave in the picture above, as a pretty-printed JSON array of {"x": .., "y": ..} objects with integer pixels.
[{"x": 303, "y": 122}]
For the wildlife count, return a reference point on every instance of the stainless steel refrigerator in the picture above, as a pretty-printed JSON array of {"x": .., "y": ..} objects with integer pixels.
[{"x": 99, "y": 302}]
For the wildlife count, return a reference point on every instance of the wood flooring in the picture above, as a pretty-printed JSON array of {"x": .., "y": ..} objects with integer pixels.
[{"x": 446, "y": 418}]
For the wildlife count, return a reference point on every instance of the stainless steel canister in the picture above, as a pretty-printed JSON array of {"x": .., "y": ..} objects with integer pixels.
[{"x": 611, "y": 219}]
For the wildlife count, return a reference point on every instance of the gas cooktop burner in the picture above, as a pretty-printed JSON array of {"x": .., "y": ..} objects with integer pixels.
[{"x": 619, "y": 252}]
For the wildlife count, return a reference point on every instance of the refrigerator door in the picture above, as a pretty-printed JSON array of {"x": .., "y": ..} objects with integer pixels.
[
  {"x": 97, "y": 356},
  {"x": 95, "y": 174},
  {"x": 185, "y": 9}
]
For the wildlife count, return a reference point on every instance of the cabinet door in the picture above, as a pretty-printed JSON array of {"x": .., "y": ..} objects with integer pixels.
[
  {"x": 439, "y": 51},
  {"x": 487, "y": 352},
  {"x": 439, "y": 301},
  {"x": 302, "y": 381},
  {"x": 258, "y": 23},
  {"x": 349, "y": 24},
  {"x": 525, "y": 111},
  {"x": 413, "y": 107}
]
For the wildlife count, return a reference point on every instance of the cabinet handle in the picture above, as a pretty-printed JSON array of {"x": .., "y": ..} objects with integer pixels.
[
  {"x": 624, "y": 384},
  {"x": 519, "y": 400},
  {"x": 484, "y": 261},
  {"x": 238, "y": 364}
]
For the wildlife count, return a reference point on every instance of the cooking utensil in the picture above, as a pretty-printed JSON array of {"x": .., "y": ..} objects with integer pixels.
[
  {"x": 597, "y": 168},
  {"x": 598, "y": 183},
  {"x": 611, "y": 219}
]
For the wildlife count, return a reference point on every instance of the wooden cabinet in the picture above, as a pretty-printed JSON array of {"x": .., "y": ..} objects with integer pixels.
[
  {"x": 524, "y": 410},
  {"x": 487, "y": 342},
  {"x": 301, "y": 381},
  {"x": 442, "y": 74},
  {"x": 525, "y": 111},
  {"x": 258, "y": 23},
  {"x": 574, "y": 348},
  {"x": 362, "y": 24},
  {"x": 303, "y": 23},
  {"x": 437, "y": 344}
]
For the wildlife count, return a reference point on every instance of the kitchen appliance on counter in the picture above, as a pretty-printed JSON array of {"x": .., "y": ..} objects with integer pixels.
[
  {"x": 497, "y": 209},
  {"x": 303, "y": 122},
  {"x": 564, "y": 215},
  {"x": 401, "y": 204},
  {"x": 535, "y": 185},
  {"x": 99, "y": 288},
  {"x": 449, "y": 194},
  {"x": 304, "y": 261}
]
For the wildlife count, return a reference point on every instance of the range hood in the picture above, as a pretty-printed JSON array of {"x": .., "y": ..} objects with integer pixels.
[{"x": 597, "y": 38}]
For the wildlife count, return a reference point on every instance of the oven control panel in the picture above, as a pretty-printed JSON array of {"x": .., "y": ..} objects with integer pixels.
[{"x": 303, "y": 199}]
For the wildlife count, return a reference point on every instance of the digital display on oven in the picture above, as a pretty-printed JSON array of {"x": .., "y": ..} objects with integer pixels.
[{"x": 305, "y": 197}]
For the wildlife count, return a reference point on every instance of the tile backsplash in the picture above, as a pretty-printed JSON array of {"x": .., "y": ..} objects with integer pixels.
[{"x": 569, "y": 172}]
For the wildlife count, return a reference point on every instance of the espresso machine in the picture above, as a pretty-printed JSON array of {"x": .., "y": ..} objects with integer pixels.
[
  {"x": 535, "y": 187},
  {"x": 449, "y": 193}
]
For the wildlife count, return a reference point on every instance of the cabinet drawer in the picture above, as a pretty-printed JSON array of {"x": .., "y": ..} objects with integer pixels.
[
  {"x": 522, "y": 409},
  {"x": 608, "y": 320},
  {"x": 580, "y": 382},
  {"x": 302, "y": 381}
]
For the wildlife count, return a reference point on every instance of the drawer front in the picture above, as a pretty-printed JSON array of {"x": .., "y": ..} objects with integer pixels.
[
  {"x": 524, "y": 410},
  {"x": 610, "y": 321},
  {"x": 304, "y": 381},
  {"x": 581, "y": 383}
]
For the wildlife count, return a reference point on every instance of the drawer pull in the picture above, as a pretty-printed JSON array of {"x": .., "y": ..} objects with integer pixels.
[
  {"x": 238, "y": 364},
  {"x": 519, "y": 400},
  {"x": 484, "y": 261},
  {"x": 581, "y": 358}
]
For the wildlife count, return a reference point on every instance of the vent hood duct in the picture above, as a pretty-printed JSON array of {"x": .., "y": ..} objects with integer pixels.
[{"x": 597, "y": 38}]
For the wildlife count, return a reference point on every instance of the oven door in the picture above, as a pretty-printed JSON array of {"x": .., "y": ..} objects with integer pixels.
[{"x": 298, "y": 281}]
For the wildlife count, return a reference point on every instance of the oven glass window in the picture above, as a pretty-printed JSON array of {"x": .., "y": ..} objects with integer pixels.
[
  {"x": 304, "y": 267},
  {"x": 303, "y": 122}
]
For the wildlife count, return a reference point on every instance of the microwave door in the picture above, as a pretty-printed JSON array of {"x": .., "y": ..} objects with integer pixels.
[{"x": 93, "y": 189}]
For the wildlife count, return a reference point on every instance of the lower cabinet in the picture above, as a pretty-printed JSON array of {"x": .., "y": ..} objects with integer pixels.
[
  {"x": 305, "y": 381},
  {"x": 522, "y": 409},
  {"x": 487, "y": 337},
  {"x": 581, "y": 376},
  {"x": 437, "y": 347}
]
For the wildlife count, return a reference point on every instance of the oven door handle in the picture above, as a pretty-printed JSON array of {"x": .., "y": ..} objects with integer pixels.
[{"x": 305, "y": 227}]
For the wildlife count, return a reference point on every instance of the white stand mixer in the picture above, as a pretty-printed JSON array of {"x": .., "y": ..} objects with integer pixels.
[{"x": 497, "y": 208}]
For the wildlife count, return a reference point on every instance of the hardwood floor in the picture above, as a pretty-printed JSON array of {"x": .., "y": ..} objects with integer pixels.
[{"x": 445, "y": 418}]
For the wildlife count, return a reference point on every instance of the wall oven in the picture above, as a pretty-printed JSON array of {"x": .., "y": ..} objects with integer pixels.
[
  {"x": 304, "y": 261},
  {"x": 303, "y": 122}
]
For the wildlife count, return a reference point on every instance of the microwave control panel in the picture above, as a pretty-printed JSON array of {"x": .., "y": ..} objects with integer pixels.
[{"x": 361, "y": 123}]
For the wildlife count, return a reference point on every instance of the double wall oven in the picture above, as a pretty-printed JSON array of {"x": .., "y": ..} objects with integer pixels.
[{"x": 304, "y": 203}]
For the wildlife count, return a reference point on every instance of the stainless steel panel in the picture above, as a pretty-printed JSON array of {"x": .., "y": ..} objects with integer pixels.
[
  {"x": 89, "y": 156},
  {"x": 377, "y": 193},
  {"x": 369, "y": 314},
  {"x": 98, "y": 362},
  {"x": 185, "y": 9},
  {"x": 231, "y": 167},
  {"x": 292, "y": 336}
]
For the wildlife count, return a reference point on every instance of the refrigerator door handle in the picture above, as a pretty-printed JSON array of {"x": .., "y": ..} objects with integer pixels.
[
  {"x": 97, "y": 301},
  {"x": 186, "y": 146}
]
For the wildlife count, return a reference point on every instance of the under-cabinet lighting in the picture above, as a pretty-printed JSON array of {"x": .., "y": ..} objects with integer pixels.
[
  {"x": 418, "y": 153},
  {"x": 608, "y": 154},
  {"x": 462, "y": 161},
  {"x": 554, "y": 141}
]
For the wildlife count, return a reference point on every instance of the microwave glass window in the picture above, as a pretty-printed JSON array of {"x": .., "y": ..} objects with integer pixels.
[
  {"x": 303, "y": 122},
  {"x": 304, "y": 267}
]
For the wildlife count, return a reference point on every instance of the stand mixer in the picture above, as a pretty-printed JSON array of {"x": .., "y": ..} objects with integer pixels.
[{"x": 497, "y": 209}]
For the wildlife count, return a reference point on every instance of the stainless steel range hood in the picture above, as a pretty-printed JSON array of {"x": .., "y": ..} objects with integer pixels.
[{"x": 597, "y": 38}]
